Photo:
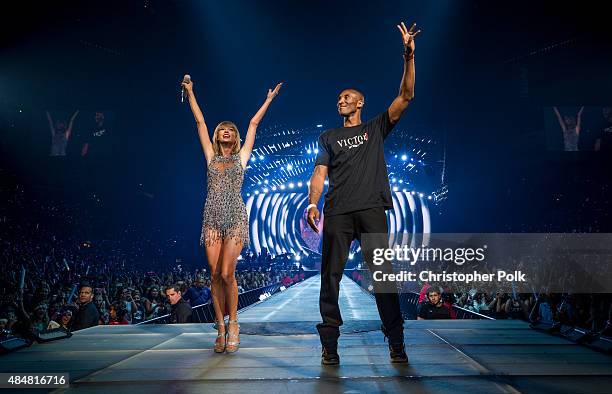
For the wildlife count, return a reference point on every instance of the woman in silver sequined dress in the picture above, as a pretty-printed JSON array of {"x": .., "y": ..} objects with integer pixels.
[
  {"x": 570, "y": 126},
  {"x": 225, "y": 224}
]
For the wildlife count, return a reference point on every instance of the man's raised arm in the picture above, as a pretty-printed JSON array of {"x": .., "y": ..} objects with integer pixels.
[{"x": 406, "y": 91}]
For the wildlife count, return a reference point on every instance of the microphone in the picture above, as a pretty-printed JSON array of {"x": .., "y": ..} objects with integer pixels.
[{"x": 186, "y": 79}]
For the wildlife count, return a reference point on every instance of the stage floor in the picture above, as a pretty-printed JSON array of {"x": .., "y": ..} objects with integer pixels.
[{"x": 280, "y": 353}]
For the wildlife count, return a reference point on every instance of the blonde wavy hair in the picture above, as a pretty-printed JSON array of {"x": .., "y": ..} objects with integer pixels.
[{"x": 217, "y": 145}]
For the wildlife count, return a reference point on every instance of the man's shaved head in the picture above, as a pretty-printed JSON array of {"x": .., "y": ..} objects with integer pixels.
[
  {"x": 354, "y": 91},
  {"x": 350, "y": 102}
]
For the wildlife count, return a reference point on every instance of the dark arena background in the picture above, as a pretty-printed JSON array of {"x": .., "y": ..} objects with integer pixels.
[{"x": 117, "y": 203}]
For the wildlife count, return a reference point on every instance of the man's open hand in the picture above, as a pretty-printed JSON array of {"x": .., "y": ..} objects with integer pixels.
[{"x": 408, "y": 36}]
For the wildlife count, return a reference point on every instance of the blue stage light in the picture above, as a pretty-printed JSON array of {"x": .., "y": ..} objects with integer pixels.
[{"x": 274, "y": 213}]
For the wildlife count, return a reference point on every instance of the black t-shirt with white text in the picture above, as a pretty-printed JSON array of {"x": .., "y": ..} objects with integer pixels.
[
  {"x": 99, "y": 142},
  {"x": 356, "y": 167}
]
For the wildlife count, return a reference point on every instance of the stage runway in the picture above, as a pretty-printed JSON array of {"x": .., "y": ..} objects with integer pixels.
[{"x": 280, "y": 353}]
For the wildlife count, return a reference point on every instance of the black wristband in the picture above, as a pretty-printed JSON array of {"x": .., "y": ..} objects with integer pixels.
[{"x": 408, "y": 53}]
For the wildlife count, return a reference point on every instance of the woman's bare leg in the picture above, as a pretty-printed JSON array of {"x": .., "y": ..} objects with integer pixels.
[
  {"x": 214, "y": 255},
  {"x": 229, "y": 258}
]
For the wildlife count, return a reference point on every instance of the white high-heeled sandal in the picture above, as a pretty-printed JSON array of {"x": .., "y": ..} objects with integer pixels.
[
  {"x": 231, "y": 346},
  {"x": 220, "y": 345}
]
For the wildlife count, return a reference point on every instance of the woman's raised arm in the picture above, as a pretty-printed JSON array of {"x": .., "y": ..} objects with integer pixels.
[
  {"x": 199, "y": 118},
  {"x": 249, "y": 140}
]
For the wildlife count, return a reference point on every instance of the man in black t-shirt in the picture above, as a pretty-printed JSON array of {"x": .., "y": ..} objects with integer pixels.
[
  {"x": 433, "y": 308},
  {"x": 353, "y": 158},
  {"x": 97, "y": 141},
  {"x": 87, "y": 315},
  {"x": 180, "y": 310}
]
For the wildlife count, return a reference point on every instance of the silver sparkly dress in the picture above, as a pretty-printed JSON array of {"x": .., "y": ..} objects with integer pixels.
[{"x": 225, "y": 215}]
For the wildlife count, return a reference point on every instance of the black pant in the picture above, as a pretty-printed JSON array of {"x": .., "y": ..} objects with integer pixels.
[{"x": 369, "y": 227}]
